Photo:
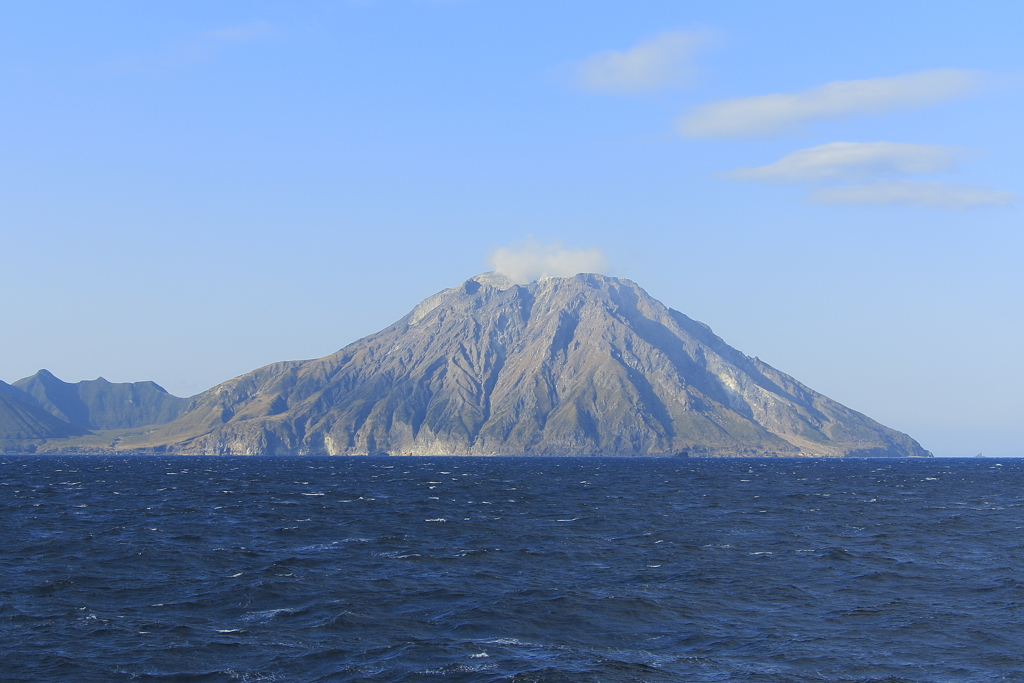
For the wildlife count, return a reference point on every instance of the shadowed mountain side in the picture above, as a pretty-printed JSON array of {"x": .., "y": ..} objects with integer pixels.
[
  {"x": 15, "y": 392},
  {"x": 22, "y": 421},
  {"x": 582, "y": 365},
  {"x": 99, "y": 404}
]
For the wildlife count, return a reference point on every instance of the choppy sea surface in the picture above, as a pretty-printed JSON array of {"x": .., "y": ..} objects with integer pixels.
[{"x": 510, "y": 569}]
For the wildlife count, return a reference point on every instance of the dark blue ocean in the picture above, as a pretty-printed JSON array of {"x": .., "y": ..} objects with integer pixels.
[{"x": 510, "y": 569}]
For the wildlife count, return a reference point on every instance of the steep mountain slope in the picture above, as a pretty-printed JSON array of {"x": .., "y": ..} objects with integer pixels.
[
  {"x": 99, "y": 404},
  {"x": 20, "y": 421},
  {"x": 582, "y": 365},
  {"x": 15, "y": 392}
]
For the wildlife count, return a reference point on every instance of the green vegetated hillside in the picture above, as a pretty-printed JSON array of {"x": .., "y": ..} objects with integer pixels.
[
  {"x": 21, "y": 421},
  {"x": 585, "y": 365},
  {"x": 14, "y": 392},
  {"x": 99, "y": 405}
]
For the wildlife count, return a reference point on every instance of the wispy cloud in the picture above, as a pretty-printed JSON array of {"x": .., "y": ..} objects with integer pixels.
[
  {"x": 785, "y": 112},
  {"x": 529, "y": 261},
  {"x": 246, "y": 33},
  {"x": 914, "y": 193},
  {"x": 194, "y": 49},
  {"x": 664, "y": 61},
  {"x": 209, "y": 43},
  {"x": 876, "y": 161},
  {"x": 852, "y": 161}
]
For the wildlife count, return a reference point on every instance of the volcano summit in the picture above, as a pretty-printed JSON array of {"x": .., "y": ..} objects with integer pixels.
[{"x": 582, "y": 365}]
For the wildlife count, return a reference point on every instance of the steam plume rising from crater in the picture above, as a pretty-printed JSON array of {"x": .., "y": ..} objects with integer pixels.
[{"x": 529, "y": 261}]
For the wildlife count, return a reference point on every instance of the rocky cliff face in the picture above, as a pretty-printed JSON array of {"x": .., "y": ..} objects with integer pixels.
[{"x": 587, "y": 365}]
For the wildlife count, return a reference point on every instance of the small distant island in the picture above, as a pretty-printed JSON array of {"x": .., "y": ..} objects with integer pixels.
[{"x": 586, "y": 365}]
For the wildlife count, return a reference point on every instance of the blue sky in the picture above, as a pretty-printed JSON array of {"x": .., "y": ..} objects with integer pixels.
[{"x": 191, "y": 190}]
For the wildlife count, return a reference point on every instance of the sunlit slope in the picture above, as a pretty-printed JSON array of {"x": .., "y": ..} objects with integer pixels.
[{"x": 584, "y": 365}]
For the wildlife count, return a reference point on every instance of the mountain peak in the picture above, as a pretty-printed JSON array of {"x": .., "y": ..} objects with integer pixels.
[
  {"x": 580, "y": 365},
  {"x": 493, "y": 279},
  {"x": 100, "y": 404}
]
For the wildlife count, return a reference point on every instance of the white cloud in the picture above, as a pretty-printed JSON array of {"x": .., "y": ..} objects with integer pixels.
[
  {"x": 529, "y": 261},
  {"x": 930, "y": 194},
  {"x": 851, "y": 161},
  {"x": 663, "y": 61},
  {"x": 245, "y": 33},
  {"x": 194, "y": 50},
  {"x": 784, "y": 112}
]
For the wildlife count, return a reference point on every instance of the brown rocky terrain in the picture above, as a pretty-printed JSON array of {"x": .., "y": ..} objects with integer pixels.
[{"x": 583, "y": 365}]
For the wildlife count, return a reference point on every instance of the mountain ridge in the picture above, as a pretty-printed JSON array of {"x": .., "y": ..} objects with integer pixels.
[
  {"x": 583, "y": 365},
  {"x": 99, "y": 404},
  {"x": 23, "y": 422},
  {"x": 564, "y": 366}
]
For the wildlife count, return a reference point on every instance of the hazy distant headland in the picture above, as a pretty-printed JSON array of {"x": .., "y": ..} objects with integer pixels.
[{"x": 582, "y": 365}]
